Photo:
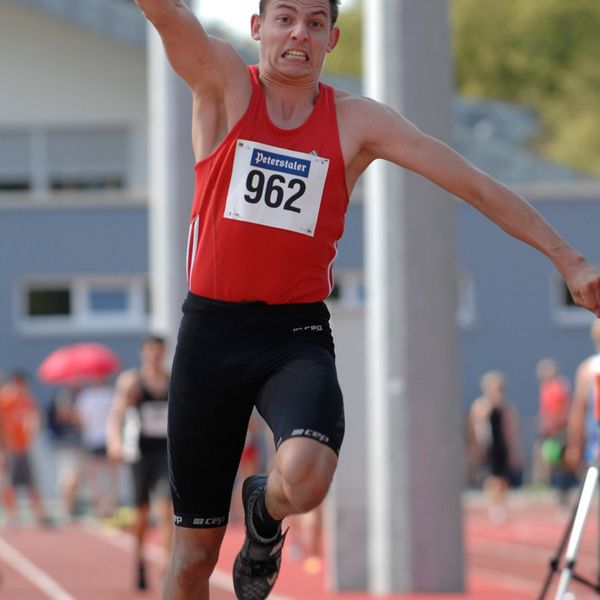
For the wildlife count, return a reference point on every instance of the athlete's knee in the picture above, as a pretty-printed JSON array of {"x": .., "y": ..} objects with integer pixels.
[
  {"x": 306, "y": 469},
  {"x": 192, "y": 563}
]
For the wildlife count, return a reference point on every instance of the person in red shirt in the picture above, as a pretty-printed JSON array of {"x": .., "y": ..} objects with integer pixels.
[
  {"x": 555, "y": 399},
  {"x": 278, "y": 153},
  {"x": 19, "y": 425},
  {"x": 554, "y": 404}
]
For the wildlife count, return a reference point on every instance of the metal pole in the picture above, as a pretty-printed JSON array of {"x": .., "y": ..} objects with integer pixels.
[
  {"x": 414, "y": 417},
  {"x": 581, "y": 515},
  {"x": 171, "y": 186}
]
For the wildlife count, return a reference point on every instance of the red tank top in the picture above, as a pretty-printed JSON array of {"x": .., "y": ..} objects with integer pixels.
[{"x": 269, "y": 208}]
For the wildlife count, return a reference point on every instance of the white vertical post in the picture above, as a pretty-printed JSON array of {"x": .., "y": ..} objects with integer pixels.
[
  {"x": 171, "y": 187},
  {"x": 414, "y": 416}
]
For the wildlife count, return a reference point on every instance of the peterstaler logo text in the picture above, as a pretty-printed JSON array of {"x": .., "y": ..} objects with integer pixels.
[{"x": 280, "y": 162}]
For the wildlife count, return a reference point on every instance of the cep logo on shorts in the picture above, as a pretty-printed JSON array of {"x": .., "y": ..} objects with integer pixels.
[
  {"x": 310, "y": 433},
  {"x": 279, "y": 162},
  {"x": 308, "y": 328},
  {"x": 211, "y": 521},
  {"x": 178, "y": 520}
]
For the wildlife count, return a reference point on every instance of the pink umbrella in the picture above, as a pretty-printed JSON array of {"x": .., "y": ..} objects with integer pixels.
[{"x": 77, "y": 362}]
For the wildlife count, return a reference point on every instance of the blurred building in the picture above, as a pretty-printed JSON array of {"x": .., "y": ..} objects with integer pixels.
[{"x": 73, "y": 214}]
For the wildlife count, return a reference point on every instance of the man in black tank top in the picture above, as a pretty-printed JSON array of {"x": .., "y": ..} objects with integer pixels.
[{"x": 137, "y": 434}]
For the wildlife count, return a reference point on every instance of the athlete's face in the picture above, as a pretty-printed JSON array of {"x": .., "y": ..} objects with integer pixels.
[
  {"x": 152, "y": 353},
  {"x": 295, "y": 36}
]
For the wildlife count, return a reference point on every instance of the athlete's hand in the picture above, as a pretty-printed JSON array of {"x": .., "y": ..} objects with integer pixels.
[
  {"x": 114, "y": 451},
  {"x": 584, "y": 284}
]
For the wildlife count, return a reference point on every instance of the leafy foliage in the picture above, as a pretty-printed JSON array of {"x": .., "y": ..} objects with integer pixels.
[
  {"x": 347, "y": 56},
  {"x": 542, "y": 53}
]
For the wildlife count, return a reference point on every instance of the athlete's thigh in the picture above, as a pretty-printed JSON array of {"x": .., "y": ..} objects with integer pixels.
[
  {"x": 303, "y": 398},
  {"x": 209, "y": 409}
]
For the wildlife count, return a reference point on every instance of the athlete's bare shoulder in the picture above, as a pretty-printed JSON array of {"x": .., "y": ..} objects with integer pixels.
[
  {"x": 365, "y": 119},
  {"x": 128, "y": 381},
  {"x": 209, "y": 65},
  {"x": 348, "y": 104},
  {"x": 359, "y": 118}
]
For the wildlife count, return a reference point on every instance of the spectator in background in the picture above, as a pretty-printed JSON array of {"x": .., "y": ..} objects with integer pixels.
[
  {"x": 494, "y": 441},
  {"x": 582, "y": 432},
  {"x": 137, "y": 434},
  {"x": 19, "y": 425},
  {"x": 306, "y": 539},
  {"x": 65, "y": 435},
  {"x": 553, "y": 412},
  {"x": 92, "y": 407}
]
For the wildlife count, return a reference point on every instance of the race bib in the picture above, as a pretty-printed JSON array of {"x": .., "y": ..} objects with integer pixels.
[
  {"x": 276, "y": 187},
  {"x": 153, "y": 417}
]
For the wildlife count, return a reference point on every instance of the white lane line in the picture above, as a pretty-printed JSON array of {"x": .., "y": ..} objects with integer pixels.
[
  {"x": 124, "y": 541},
  {"x": 33, "y": 574}
]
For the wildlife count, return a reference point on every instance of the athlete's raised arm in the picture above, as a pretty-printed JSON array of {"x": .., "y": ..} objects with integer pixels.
[
  {"x": 203, "y": 61},
  {"x": 212, "y": 68},
  {"x": 391, "y": 137}
]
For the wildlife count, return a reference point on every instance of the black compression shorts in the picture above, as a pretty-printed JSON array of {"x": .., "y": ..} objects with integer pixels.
[
  {"x": 229, "y": 358},
  {"x": 150, "y": 474}
]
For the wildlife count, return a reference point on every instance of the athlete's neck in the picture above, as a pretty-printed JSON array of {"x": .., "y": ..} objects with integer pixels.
[
  {"x": 289, "y": 102},
  {"x": 152, "y": 373}
]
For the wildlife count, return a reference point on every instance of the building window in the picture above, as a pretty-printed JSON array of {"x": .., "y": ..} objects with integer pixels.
[
  {"x": 83, "y": 304},
  {"x": 46, "y": 161},
  {"x": 87, "y": 160},
  {"x": 48, "y": 302},
  {"x": 15, "y": 161},
  {"x": 563, "y": 309},
  {"x": 348, "y": 289}
]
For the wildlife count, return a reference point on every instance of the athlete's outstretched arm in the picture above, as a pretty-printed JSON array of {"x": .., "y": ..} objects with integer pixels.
[
  {"x": 203, "y": 61},
  {"x": 391, "y": 137},
  {"x": 126, "y": 389}
]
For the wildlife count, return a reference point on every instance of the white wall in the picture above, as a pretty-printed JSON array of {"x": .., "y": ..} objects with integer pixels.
[{"x": 56, "y": 74}]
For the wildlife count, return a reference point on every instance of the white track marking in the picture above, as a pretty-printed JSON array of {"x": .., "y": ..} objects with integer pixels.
[
  {"x": 157, "y": 555},
  {"x": 33, "y": 574}
]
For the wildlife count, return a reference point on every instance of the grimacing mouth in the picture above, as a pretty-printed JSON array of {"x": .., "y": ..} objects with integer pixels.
[{"x": 296, "y": 55}]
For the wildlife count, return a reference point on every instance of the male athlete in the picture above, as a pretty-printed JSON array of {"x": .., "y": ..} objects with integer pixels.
[
  {"x": 278, "y": 155},
  {"x": 137, "y": 434}
]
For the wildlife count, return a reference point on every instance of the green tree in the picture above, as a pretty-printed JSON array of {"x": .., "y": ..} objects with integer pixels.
[
  {"x": 347, "y": 57},
  {"x": 542, "y": 53}
]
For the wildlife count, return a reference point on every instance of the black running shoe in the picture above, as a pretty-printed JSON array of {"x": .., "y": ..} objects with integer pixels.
[{"x": 257, "y": 565}]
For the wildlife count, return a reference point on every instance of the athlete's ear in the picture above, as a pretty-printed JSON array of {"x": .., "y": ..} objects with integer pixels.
[
  {"x": 255, "y": 27},
  {"x": 334, "y": 38}
]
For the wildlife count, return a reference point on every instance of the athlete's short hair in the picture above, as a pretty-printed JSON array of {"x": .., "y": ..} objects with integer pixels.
[
  {"x": 492, "y": 379},
  {"x": 153, "y": 339},
  {"x": 334, "y": 5}
]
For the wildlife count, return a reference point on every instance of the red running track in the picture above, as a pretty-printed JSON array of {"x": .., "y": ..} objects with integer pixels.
[{"x": 90, "y": 562}]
